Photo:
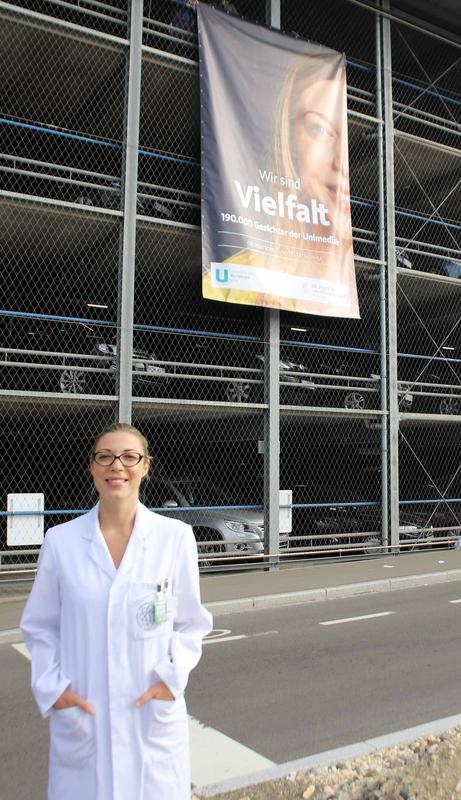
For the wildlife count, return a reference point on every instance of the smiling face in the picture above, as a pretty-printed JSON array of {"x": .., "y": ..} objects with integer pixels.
[
  {"x": 320, "y": 145},
  {"x": 117, "y": 482}
]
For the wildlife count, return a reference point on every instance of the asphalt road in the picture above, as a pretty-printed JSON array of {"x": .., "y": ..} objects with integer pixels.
[
  {"x": 312, "y": 687},
  {"x": 290, "y": 687},
  {"x": 24, "y": 735}
]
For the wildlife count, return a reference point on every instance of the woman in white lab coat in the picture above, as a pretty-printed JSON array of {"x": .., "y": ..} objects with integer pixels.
[{"x": 114, "y": 625}]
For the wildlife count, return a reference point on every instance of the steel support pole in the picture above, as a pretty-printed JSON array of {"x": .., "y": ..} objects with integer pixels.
[
  {"x": 271, "y": 434},
  {"x": 382, "y": 290},
  {"x": 393, "y": 406},
  {"x": 128, "y": 245},
  {"x": 272, "y": 398},
  {"x": 273, "y": 16}
]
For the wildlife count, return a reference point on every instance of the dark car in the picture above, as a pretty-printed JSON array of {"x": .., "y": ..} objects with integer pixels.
[
  {"x": 81, "y": 358},
  {"x": 62, "y": 356},
  {"x": 54, "y": 355},
  {"x": 434, "y": 384},
  {"x": 349, "y": 528},
  {"x": 424, "y": 262},
  {"x": 75, "y": 380},
  {"x": 94, "y": 189}
]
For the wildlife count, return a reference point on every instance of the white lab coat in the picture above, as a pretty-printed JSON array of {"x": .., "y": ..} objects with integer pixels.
[{"x": 83, "y": 626}]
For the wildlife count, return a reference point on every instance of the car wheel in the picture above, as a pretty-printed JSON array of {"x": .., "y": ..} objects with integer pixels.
[
  {"x": 405, "y": 403},
  {"x": 447, "y": 406},
  {"x": 373, "y": 424},
  {"x": 354, "y": 400},
  {"x": 72, "y": 381},
  {"x": 238, "y": 392},
  {"x": 208, "y": 546},
  {"x": 373, "y": 546},
  {"x": 84, "y": 200}
]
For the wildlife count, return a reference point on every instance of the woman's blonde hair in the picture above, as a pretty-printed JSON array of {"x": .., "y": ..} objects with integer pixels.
[{"x": 117, "y": 427}]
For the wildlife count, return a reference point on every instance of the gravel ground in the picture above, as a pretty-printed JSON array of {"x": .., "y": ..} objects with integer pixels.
[{"x": 426, "y": 769}]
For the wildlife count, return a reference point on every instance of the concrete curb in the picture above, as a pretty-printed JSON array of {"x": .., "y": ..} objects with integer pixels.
[
  {"x": 330, "y": 757},
  {"x": 14, "y": 598},
  {"x": 331, "y": 592},
  {"x": 309, "y": 595},
  {"x": 11, "y": 636}
]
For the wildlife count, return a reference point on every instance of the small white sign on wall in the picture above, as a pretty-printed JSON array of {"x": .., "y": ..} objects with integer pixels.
[
  {"x": 285, "y": 501},
  {"x": 23, "y": 528}
]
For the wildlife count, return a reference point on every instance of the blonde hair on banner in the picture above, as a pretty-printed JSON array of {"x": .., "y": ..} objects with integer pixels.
[{"x": 303, "y": 70}]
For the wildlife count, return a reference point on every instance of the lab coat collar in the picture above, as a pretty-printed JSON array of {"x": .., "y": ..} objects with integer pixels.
[
  {"x": 138, "y": 543},
  {"x": 142, "y": 523},
  {"x": 99, "y": 552}
]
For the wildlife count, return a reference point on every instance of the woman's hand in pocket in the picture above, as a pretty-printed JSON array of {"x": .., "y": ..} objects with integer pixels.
[
  {"x": 68, "y": 699},
  {"x": 159, "y": 691}
]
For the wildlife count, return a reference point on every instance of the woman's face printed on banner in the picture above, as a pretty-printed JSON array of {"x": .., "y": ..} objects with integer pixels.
[{"x": 321, "y": 150}]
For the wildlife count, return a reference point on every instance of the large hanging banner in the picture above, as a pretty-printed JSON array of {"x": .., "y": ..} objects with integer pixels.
[{"x": 276, "y": 223}]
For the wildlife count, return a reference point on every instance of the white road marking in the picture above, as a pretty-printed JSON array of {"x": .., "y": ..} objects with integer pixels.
[
  {"x": 220, "y": 639},
  {"x": 454, "y": 601},
  {"x": 21, "y": 648},
  {"x": 230, "y": 758},
  {"x": 224, "y": 639},
  {"x": 354, "y": 619},
  {"x": 216, "y": 633}
]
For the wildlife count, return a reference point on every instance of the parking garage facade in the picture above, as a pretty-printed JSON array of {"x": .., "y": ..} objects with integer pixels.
[{"x": 102, "y": 316}]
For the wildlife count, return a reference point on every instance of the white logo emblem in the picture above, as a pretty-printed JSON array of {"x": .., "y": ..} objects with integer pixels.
[{"x": 145, "y": 616}]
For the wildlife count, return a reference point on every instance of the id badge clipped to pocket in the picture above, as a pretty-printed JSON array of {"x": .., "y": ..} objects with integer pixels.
[{"x": 155, "y": 609}]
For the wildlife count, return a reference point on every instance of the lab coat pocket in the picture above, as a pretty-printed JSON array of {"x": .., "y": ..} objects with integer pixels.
[
  {"x": 72, "y": 736},
  {"x": 167, "y": 730},
  {"x": 145, "y": 620}
]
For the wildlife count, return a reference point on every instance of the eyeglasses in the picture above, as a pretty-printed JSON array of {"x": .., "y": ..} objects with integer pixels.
[{"x": 129, "y": 458}]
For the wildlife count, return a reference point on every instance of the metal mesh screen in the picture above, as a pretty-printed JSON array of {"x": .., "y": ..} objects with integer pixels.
[
  {"x": 333, "y": 466},
  {"x": 426, "y": 74},
  {"x": 109, "y": 16},
  {"x": 48, "y": 440},
  {"x": 331, "y": 458},
  {"x": 427, "y": 105},
  {"x": 169, "y": 158},
  {"x": 61, "y": 264},
  {"x": 208, "y": 473},
  {"x": 62, "y": 121},
  {"x": 200, "y": 369},
  {"x": 430, "y": 469}
]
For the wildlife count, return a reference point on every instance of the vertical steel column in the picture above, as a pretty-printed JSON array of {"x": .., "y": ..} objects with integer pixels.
[
  {"x": 128, "y": 247},
  {"x": 273, "y": 13},
  {"x": 391, "y": 284},
  {"x": 271, "y": 433},
  {"x": 272, "y": 398},
  {"x": 382, "y": 290}
]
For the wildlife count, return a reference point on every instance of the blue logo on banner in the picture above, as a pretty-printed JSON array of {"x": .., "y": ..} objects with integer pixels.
[{"x": 222, "y": 278}]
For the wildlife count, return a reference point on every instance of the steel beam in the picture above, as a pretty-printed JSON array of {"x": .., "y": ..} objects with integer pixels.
[
  {"x": 382, "y": 292},
  {"x": 272, "y": 399},
  {"x": 129, "y": 190},
  {"x": 393, "y": 407}
]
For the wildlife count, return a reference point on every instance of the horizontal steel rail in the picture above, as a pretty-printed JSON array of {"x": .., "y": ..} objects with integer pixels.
[{"x": 61, "y": 27}]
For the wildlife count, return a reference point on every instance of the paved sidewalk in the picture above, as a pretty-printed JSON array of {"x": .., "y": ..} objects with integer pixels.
[
  {"x": 309, "y": 582},
  {"x": 314, "y": 581}
]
